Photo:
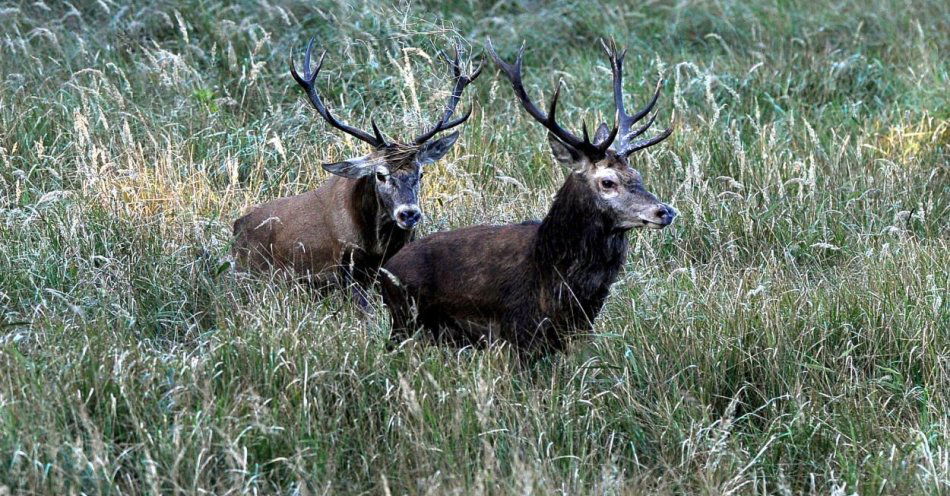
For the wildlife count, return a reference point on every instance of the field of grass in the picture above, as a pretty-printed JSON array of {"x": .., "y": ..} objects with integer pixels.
[{"x": 787, "y": 335}]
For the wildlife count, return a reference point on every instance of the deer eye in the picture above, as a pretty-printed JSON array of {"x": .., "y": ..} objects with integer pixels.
[
  {"x": 381, "y": 177},
  {"x": 607, "y": 184}
]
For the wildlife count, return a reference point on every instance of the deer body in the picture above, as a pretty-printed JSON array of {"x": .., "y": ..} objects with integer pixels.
[
  {"x": 363, "y": 214},
  {"x": 327, "y": 236},
  {"x": 536, "y": 285}
]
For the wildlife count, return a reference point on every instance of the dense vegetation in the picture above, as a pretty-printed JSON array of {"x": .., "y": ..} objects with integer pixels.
[{"x": 788, "y": 334}]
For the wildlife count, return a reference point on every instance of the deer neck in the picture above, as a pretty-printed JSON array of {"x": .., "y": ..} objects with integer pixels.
[
  {"x": 578, "y": 244},
  {"x": 377, "y": 229}
]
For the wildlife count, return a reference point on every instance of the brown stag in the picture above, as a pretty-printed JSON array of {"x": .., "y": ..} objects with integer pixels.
[
  {"x": 364, "y": 213},
  {"x": 535, "y": 285}
]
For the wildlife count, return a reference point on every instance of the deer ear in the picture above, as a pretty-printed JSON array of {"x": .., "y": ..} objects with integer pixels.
[
  {"x": 565, "y": 154},
  {"x": 433, "y": 151},
  {"x": 353, "y": 168},
  {"x": 603, "y": 132}
]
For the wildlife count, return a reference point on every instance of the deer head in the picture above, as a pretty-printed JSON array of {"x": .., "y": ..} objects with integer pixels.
[
  {"x": 616, "y": 188},
  {"x": 396, "y": 167}
]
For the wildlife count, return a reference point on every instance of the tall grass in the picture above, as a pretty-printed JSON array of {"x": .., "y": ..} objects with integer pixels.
[{"x": 789, "y": 334}]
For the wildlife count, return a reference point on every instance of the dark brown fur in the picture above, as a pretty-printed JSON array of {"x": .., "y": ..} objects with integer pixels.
[{"x": 534, "y": 285}]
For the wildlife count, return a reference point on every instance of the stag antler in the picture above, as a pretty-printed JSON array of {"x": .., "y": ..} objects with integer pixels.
[
  {"x": 307, "y": 83},
  {"x": 513, "y": 72},
  {"x": 461, "y": 81},
  {"x": 625, "y": 146}
]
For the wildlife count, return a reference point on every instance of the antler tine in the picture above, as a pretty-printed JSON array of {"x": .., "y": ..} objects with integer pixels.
[
  {"x": 454, "y": 63},
  {"x": 513, "y": 73},
  {"x": 307, "y": 82},
  {"x": 625, "y": 146},
  {"x": 633, "y": 134},
  {"x": 616, "y": 66},
  {"x": 376, "y": 133},
  {"x": 461, "y": 81},
  {"x": 649, "y": 106},
  {"x": 604, "y": 145},
  {"x": 639, "y": 145}
]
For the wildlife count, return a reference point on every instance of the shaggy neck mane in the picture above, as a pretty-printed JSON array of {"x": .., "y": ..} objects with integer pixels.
[
  {"x": 579, "y": 242},
  {"x": 376, "y": 225},
  {"x": 365, "y": 201}
]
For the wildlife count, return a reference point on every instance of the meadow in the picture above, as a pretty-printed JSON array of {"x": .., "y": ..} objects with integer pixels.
[{"x": 788, "y": 334}]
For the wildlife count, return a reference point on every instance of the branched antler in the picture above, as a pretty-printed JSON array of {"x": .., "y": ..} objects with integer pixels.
[
  {"x": 584, "y": 145},
  {"x": 461, "y": 81},
  {"x": 307, "y": 83},
  {"x": 625, "y": 145}
]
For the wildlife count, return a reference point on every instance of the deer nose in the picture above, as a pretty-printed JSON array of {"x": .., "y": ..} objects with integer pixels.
[
  {"x": 664, "y": 214},
  {"x": 408, "y": 216}
]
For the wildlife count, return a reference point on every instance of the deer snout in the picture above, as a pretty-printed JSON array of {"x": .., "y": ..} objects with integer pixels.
[
  {"x": 407, "y": 216},
  {"x": 659, "y": 216}
]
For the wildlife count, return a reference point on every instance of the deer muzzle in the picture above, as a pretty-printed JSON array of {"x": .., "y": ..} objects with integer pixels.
[
  {"x": 407, "y": 216},
  {"x": 658, "y": 216}
]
